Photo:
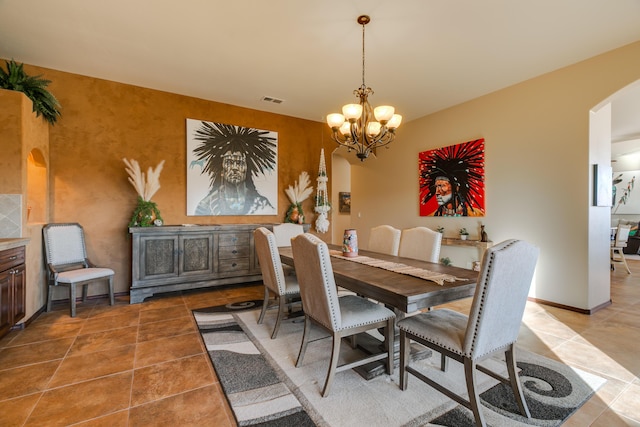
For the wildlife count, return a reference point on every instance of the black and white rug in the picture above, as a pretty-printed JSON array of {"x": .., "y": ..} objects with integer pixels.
[{"x": 263, "y": 386}]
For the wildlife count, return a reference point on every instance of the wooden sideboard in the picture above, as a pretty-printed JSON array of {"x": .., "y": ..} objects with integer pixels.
[
  {"x": 175, "y": 258},
  {"x": 12, "y": 284}
]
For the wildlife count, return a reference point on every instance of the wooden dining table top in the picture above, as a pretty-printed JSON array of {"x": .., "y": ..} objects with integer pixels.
[{"x": 401, "y": 291}]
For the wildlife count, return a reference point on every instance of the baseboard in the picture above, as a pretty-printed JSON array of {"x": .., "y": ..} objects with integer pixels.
[{"x": 570, "y": 308}]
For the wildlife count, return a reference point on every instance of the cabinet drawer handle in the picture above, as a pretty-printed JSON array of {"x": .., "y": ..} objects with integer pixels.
[
  {"x": 234, "y": 264},
  {"x": 13, "y": 257},
  {"x": 234, "y": 251}
]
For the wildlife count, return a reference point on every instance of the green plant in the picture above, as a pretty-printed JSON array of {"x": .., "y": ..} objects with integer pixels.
[
  {"x": 464, "y": 232},
  {"x": 44, "y": 103},
  {"x": 145, "y": 213},
  {"x": 445, "y": 261}
]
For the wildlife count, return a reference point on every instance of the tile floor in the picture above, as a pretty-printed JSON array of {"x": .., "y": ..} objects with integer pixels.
[{"x": 144, "y": 364}]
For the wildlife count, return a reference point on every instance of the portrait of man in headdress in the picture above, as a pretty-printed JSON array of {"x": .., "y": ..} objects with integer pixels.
[
  {"x": 232, "y": 160},
  {"x": 452, "y": 180}
]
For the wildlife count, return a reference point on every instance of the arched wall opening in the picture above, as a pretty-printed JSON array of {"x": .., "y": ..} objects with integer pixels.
[{"x": 37, "y": 187}]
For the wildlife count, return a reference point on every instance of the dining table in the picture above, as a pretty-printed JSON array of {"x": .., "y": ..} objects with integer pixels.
[{"x": 402, "y": 292}]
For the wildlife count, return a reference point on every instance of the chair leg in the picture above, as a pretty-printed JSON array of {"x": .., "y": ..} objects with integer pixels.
[
  {"x": 72, "y": 299},
  {"x": 265, "y": 305},
  {"x": 335, "y": 354},
  {"x": 404, "y": 359},
  {"x": 305, "y": 340},
  {"x": 112, "y": 300},
  {"x": 474, "y": 398},
  {"x": 282, "y": 306},
  {"x": 624, "y": 261},
  {"x": 510, "y": 358},
  {"x": 444, "y": 362},
  {"x": 50, "y": 297},
  {"x": 85, "y": 291}
]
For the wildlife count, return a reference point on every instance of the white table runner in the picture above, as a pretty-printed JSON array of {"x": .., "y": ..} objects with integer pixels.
[{"x": 398, "y": 267}]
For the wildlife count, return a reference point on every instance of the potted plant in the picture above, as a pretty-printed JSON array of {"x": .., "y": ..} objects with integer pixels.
[
  {"x": 35, "y": 87},
  {"x": 464, "y": 234}
]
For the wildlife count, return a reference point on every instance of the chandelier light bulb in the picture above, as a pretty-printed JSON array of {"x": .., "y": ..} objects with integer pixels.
[
  {"x": 335, "y": 120},
  {"x": 345, "y": 129},
  {"x": 395, "y": 121},
  {"x": 352, "y": 111},
  {"x": 383, "y": 113},
  {"x": 373, "y": 128}
]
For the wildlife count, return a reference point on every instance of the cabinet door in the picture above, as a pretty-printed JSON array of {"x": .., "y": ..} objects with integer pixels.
[
  {"x": 19, "y": 293},
  {"x": 6, "y": 311},
  {"x": 158, "y": 257},
  {"x": 196, "y": 254}
]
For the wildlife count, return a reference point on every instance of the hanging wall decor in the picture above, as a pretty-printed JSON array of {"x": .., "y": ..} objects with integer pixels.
[
  {"x": 323, "y": 206},
  {"x": 231, "y": 170},
  {"x": 451, "y": 180}
]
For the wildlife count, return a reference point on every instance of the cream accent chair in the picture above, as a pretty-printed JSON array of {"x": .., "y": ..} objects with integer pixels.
[
  {"x": 68, "y": 264},
  {"x": 618, "y": 245},
  {"x": 420, "y": 243},
  {"x": 285, "y": 232},
  {"x": 285, "y": 288},
  {"x": 342, "y": 316},
  {"x": 384, "y": 239},
  {"x": 491, "y": 327}
]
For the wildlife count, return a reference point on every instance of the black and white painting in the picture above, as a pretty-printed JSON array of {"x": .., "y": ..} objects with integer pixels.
[{"x": 231, "y": 170}]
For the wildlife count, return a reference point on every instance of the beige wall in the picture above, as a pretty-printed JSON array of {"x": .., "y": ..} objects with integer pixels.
[
  {"x": 103, "y": 122},
  {"x": 537, "y": 173}
]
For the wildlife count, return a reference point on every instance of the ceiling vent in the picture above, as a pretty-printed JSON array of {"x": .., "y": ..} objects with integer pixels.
[{"x": 272, "y": 99}]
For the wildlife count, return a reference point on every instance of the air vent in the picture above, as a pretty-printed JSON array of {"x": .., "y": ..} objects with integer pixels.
[{"x": 272, "y": 99}]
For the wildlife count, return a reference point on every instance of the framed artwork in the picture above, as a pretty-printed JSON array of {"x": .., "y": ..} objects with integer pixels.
[
  {"x": 602, "y": 185},
  {"x": 231, "y": 170},
  {"x": 451, "y": 180},
  {"x": 625, "y": 198},
  {"x": 344, "y": 199}
]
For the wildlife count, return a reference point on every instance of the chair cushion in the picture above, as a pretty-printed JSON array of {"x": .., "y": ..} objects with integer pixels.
[
  {"x": 443, "y": 327},
  {"x": 358, "y": 311},
  {"x": 291, "y": 285},
  {"x": 83, "y": 274}
]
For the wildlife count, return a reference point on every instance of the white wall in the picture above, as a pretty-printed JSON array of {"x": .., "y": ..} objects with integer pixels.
[{"x": 538, "y": 164}]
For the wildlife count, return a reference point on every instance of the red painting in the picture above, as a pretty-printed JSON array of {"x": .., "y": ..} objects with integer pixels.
[{"x": 452, "y": 180}]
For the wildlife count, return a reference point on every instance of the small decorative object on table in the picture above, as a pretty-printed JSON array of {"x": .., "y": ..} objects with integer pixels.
[
  {"x": 464, "y": 234},
  {"x": 440, "y": 230},
  {"x": 483, "y": 234},
  {"x": 146, "y": 212},
  {"x": 298, "y": 194},
  {"x": 350, "y": 243}
]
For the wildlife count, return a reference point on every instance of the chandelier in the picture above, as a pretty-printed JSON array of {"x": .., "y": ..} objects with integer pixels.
[{"x": 360, "y": 127}]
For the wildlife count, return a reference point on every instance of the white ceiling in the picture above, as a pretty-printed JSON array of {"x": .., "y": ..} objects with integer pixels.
[{"x": 421, "y": 55}]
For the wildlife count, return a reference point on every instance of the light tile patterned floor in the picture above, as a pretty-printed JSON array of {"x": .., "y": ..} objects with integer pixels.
[{"x": 144, "y": 364}]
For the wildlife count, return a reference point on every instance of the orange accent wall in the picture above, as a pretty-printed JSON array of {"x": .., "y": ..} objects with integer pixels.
[{"x": 103, "y": 122}]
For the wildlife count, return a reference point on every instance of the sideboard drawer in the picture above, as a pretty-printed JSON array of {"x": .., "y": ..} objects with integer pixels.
[
  {"x": 234, "y": 239},
  {"x": 230, "y": 252},
  {"x": 234, "y": 265}
]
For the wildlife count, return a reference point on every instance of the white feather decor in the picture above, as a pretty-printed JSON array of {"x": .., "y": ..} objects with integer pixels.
[
  {"x": 145, "y": 188},
  {"x": 301, "y": 189}
]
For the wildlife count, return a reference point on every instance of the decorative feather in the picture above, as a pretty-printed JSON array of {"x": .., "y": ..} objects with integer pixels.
[
  {"x": 301, "y": 190},
  {"x": 145, "y": 189}
]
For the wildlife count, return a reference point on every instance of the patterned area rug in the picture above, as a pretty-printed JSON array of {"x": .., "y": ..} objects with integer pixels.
[
  {"x": 254, "y": 391},
  {"x": 262, "y": 384}
]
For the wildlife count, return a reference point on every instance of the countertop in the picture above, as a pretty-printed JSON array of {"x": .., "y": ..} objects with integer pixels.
[{"x": 13, "y": 242}]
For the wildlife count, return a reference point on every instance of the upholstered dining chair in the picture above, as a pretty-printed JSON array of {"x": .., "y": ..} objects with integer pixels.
[
  {"x": 342, "y": 316},
  {"x": 384, "y": 239},
  {"x": 68, "y": 264},
  {"x": 420, "y": 243},
  {"x": 285, "y": 232},
  {"x": 284, "y": 287},
  {"x": 618, "y": 245},
  {"x": 491, "y": 327}
]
